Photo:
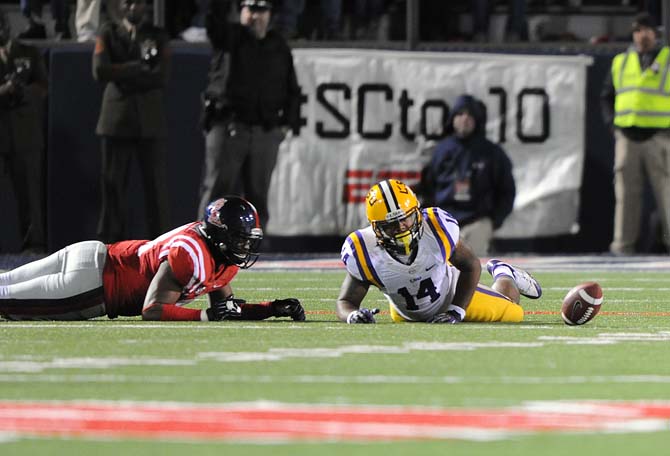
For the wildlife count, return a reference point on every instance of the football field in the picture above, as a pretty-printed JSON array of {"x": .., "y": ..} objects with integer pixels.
[{"x": 110, "y": 387}]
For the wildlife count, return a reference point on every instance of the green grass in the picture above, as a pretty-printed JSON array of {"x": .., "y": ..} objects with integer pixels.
[{"x": 621, "y": 355}]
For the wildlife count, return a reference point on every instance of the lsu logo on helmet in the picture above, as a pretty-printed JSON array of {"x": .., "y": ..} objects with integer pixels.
[{"x": 392, "y": 209}]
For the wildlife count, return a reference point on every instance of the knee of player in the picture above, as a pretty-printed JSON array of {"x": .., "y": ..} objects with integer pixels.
[{"x": 507, "y": 287}]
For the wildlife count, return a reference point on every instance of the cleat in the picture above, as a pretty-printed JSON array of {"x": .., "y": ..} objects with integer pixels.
[{"x": 526, "y": 283}]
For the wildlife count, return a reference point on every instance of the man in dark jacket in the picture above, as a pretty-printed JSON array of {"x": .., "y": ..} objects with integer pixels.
[
  {"x": 251, "y": 99},
  {"x": 23, "y": 87},
  {"x": 470, "y": 177},
  {"x": 132, "y": 58}
]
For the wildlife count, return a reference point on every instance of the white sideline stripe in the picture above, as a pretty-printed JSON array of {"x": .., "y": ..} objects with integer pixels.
[
  {"x": 7, "y": 437},
  {"x": 590, "y": 299},
  {"x": 27, "y": 364},
  {"x": 144, "y": 326},
  {"x": 335, "y": 379}
]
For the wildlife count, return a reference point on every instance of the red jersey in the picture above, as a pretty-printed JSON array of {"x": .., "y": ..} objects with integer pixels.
[{"x": 132, "y": 265}]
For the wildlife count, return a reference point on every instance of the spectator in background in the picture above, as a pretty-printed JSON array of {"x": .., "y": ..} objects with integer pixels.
[
  {"x": 32, "y": 10},
  {"x": 470, "y": 177},
  {"x": 87, "y": 17},
  {"x": 251, "y": 98},
  {"x": 23, "y": 88},
  {"x": 516, "y": 26},
  {"x": 635, "y": 104},
  {"x": 327, "y": 22},
  {"x": 366, "y": 17},
  {"x": 132, "y": 58}
]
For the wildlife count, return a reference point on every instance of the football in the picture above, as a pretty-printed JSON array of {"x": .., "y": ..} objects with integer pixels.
[{"x": 582, "y": 303}]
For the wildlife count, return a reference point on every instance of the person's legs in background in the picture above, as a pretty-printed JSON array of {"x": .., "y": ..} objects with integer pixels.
[
  {"x": 517, "y": 23},
  {"x": 285, "y": 17},
  {"x": 481, "y": 16},
  {"x": 87, "y": 19},
  {"x": 257, "y": 170},
  {"x": 226, "y": 147},
  {"x": 478, "y": 235},
  {"x": 151, "y": 156},
  {"x": 657, "y": 166},
  {"x": 32, "y": 10},
  {"x": 628, "y": 194},
  {"x": 116, "y": 155},
  {"x": 60, "y": 11},
  {"x": 331, "y": 15}
]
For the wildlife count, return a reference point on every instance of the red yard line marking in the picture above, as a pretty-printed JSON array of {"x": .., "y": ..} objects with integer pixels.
[
  {"x": 188, "y": 421},
  {"x": 532, "y": 312},
  {"x": 607, "y": 312}
]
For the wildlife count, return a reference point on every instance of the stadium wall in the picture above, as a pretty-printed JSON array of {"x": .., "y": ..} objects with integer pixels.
[{"x": 73, "y": 158}]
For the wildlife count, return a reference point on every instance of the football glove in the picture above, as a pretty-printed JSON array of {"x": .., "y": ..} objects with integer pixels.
[
  {"x": 365, "y": 316},
  {"x": 289, "y": 307},
  {"x": 226, "y": 309},
  {"x": 450, "y": 317}
]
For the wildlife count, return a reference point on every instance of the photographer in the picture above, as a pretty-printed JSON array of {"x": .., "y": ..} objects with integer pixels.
[
  {"x": 251, "y": 100},
  {"x": 132, "y": 58},
  {"x": 23, "y": 88}
]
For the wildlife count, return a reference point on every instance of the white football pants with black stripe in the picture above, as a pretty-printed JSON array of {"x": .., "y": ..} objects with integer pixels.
[{"x": 66, "y": 285}]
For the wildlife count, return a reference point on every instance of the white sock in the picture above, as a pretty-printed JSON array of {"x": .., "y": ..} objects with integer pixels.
[
  {"x": 4, "y": 292},
  {"x": 502, "y": 270}
]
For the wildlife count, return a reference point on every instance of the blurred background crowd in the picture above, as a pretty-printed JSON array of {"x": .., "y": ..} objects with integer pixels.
[{"x": 372, "y": 20}]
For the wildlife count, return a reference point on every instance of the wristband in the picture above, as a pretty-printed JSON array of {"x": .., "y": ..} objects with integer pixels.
[{"x": 459, "y": 310}]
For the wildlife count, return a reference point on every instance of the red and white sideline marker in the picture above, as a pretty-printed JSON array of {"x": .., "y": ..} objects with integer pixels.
[{"x": 285, "y": 422}]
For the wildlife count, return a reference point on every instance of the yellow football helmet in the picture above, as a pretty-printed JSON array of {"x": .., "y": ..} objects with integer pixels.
[{"x": 393, "y": 211}]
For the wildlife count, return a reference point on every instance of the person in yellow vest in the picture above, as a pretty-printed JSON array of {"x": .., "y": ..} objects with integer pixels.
[{"x": 635, "y": 101}]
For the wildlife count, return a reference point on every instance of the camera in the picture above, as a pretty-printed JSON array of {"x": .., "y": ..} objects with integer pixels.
[
  {"x": 150, "y": 53},
  {"x": 21, "y": 73},
  {"x": 19, "y": 78},
  {"x": 213, "y": 109}
]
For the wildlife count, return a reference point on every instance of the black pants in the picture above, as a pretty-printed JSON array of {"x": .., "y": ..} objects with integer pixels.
[
  {"x": 24, "y": 162},
  {"x": 117, "y": 154},
  {"x": 240, "y": 157}
]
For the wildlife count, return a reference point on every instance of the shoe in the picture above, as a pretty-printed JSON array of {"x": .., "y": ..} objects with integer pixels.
[
  {"x": 527, "y": 285},
  {"x": 34, "y": 32}
]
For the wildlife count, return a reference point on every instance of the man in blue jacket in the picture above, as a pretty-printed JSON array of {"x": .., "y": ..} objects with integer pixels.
[{"x": 470, "y": 177}]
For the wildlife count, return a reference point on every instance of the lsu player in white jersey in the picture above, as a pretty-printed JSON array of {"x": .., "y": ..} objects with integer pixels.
[{"x": 415, "y": 258}]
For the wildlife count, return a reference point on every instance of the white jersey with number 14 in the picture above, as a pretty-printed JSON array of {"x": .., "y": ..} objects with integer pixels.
[{"x": 418, "y": 290}]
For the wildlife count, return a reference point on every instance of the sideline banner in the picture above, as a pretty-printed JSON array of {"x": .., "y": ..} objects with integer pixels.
[{"x": 369, "y": 115}]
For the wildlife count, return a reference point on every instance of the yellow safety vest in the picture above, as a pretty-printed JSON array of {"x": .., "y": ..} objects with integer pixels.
[{"x": 642, "y": 97}]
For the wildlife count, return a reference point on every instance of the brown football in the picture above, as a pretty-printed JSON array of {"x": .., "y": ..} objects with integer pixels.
[{"x": 582, "y": 303}]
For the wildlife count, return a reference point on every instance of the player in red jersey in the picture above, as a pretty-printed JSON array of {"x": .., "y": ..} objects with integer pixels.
[{"x": 149, "y": 278}]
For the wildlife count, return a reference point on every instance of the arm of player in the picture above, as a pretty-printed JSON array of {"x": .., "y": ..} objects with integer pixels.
[
  {"x": 348, "y": 306},
  {"x": 164, "y": 291},
  {"x": 467, "y": 262},
  {"x": 289, "y": 307}
]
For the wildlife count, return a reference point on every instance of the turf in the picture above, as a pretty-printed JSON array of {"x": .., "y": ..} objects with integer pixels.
[{"x": 622, "y": 355}]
